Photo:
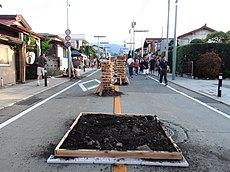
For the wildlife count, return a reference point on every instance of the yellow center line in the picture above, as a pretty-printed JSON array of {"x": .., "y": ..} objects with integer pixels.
[
  {"x": 117, "y": 102},
  {"x": 117, "y": 111},
  {"x": 120, "y": 168}
]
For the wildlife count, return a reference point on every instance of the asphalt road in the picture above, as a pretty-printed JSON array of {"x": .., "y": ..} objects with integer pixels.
[{"x": 202, "y": 134}]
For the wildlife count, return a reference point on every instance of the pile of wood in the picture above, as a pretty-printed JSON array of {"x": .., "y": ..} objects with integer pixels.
[
  {"x": 120, "y": 77},
  {"x": 107, "y": 80}
]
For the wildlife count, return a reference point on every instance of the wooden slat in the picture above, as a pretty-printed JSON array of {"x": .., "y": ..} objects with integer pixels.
[{"x": 118, "y": 154}]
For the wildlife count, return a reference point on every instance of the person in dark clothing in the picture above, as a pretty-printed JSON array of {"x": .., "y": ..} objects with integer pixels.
[
  {"x": 152, "y": 63},
  {"x": 41, "y": 62},
  {"x": 140, "y": 65},
  {"x": 145, "y": 65},
  {"x": 163, "y": 70},
  {"x": 158, "y": 59}
]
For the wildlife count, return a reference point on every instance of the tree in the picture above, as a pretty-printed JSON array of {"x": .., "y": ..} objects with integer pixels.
[
  {"x": 217, "y": 37},
  {"x": 228, "y": 37},
  {"x": 88, "y": 50},
  {"x": 45, "y": 45}
]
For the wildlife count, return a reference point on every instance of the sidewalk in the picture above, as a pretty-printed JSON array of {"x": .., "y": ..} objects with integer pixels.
[
  {"x": 208, "y": 88},
  {"x": 15, "y": 93}
]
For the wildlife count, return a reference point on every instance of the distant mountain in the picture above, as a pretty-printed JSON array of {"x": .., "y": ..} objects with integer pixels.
[{"x": 114, "y": 49}]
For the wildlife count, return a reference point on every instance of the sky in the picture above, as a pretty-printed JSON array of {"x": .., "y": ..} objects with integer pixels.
[{"x": 113, "y": 18}]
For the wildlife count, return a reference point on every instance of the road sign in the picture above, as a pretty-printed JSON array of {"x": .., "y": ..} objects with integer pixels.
[
  {"x": 67, "y": 32},
  {"x": 67, "y": 44},
  {"x": 67, "y": 38}
]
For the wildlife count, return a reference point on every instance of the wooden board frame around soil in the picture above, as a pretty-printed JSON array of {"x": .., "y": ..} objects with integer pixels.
[{"x": 164, "y": 155}]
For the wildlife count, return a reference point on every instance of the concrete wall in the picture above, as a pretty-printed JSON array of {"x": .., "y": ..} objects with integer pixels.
[
  {"x": 63, "y": 57},
  {"x": 8, "y": 70}
]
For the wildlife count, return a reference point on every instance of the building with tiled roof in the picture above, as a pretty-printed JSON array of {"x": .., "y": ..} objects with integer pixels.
[
  {"x": 199, "y": 33},
  {"x": 14, "y": 66}
]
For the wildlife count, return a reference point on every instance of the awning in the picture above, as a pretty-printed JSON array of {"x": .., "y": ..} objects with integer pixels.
[{"x": 75, "y": 53}]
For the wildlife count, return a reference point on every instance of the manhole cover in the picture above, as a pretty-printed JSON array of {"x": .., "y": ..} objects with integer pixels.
[{"x": 177, "y": 132}]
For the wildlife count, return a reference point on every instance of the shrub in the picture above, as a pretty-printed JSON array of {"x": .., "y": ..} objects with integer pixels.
[
  {"x": 195, "y": 41},
  {"x": 193, "y": 52},
  {"x": 208, "y": 66}
]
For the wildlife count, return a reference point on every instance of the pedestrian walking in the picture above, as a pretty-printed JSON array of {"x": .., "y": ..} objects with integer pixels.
[
  {"x": 136, "y": 66},
  {"x": 152, "y": 64},
  {"x": 163, "y": 70},
  {"x": 145, "y": 66},
  {"x": 158, "y": 60},
  {"x": 140, "y": 65},
  {"x": 130, "y": 62},
  {"x": 41, "y": 64}
]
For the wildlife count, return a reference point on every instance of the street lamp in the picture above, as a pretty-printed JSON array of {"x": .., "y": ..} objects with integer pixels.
[
  {"x": 142, "y": 46},
  {"x": 175, "y": 44},
  {"x": 98, "y": 43}
]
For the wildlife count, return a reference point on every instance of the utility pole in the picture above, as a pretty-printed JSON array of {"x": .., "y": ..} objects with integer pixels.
[
  {"x": 98, "y": 44},
  {"x": 142, "y": 49},
  {"x": 130, "y": 32},
  {"x": 103, "y": 43},
  {"x": 133, "y": 24},
  {"x": 68, "y": 44},
  {"x": 175, "y": 44},
  {"x": 167, "y": 36}
]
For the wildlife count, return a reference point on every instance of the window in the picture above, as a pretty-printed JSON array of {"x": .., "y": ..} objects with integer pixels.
[{"x": 4, "y": 56}]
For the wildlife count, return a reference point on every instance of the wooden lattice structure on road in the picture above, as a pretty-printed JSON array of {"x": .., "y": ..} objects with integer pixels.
[
  {"x": 107, "y": 80},
  {"x": 120, "y": 76}
]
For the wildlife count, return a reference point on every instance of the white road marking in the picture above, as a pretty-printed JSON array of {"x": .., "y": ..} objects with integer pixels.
[
  {"x": 89, "y": 88},
  {"x": 198, "y": 101},
  {"x": 9, "y": 121}
]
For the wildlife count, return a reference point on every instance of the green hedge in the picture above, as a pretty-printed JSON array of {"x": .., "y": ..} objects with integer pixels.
[{"x": 193, "y": 52}]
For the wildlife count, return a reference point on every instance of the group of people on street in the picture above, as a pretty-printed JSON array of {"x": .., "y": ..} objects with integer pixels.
[{"x": 146, "y": 66}]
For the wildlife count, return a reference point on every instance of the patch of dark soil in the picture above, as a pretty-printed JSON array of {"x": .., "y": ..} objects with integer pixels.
[
  {"x": 118, "y": 132},
  {"x": 43, "y": 151},
  {"x": 106, "y": 93}
]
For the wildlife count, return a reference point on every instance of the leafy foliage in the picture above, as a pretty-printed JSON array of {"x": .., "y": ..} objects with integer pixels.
[
  {"x": 194, "y": 52},
  {"x": 209, "y": 65},
  {"x": 217, "y": 37},
  {"x": 30, "y": 42},
  {"x": 195, "y": 41},
  {"x": 45, "y": 45},
  {"x": 88, "y": 50}
]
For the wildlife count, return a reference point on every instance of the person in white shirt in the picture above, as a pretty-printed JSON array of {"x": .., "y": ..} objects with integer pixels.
[{"x": 130, "y": 62}]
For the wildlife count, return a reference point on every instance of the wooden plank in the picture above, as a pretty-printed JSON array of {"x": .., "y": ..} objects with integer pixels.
[{"x": 118, "y": 154}]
